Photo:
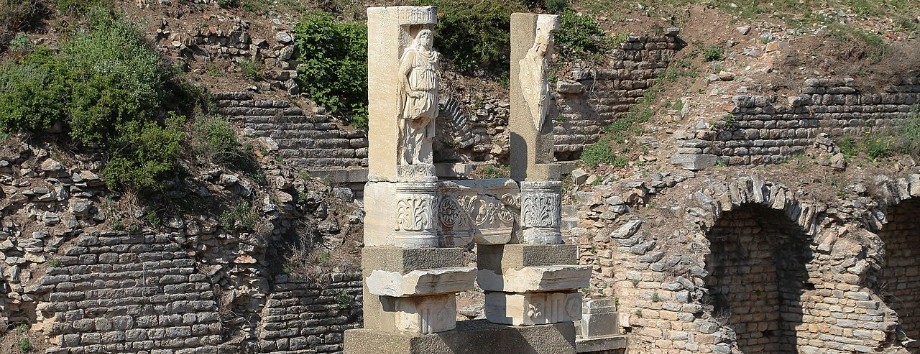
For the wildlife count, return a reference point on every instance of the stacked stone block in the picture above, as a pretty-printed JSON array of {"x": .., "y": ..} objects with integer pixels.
[
  {"x": 765, "y": 129},
  {"x": 313, "y": 143},
  {"x": 301, "y": 316},
  {"x": 900, "y": 277},
  {"x": 121, "y": 293},
  {"x": 757, "y": 267},
  {"x": 600, "y": 96}
]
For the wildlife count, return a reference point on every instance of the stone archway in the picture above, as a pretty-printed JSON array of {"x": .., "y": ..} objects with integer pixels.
[
  {"x": 756, "y": 274},
  {"x": 900, "y": 276}
]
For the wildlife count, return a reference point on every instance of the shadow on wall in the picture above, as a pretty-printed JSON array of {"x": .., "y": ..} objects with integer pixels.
[
  {"x": 756, "y": 278},
  {"x": 899, "y": 282}
]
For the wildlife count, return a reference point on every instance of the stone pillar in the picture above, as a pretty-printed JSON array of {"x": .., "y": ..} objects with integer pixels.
[
  {"x": 534, "y": 281},
  {"x": 410, "y": 283},
  {"x": 532, "y": 106}
]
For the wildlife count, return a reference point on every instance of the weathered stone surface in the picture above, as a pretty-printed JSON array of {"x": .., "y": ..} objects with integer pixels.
[
  {"x": 535, "y": 278},
  {"x": 532, "y": 308},
  {"x": 420, "y": 282}
]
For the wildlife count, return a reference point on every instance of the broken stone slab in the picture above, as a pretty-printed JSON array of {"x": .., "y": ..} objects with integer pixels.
[
  {"x": 420, "y": 282},
  {"x": 694, "y": 162},
  {"x": 599, "y": 318},
  {"x": 530, "y": 279},
  {"x": 530, "y": 309}
]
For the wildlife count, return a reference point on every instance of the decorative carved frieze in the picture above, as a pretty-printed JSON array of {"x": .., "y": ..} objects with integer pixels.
[
  {"x": 478, "y": 211},
  {"x": 541, "y": 212}
]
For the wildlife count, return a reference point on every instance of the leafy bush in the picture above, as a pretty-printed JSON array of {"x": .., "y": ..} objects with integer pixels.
[
  {"x": 580, "y": 37},
  {"x": 908, "y": 141},
  {"x": 33, "y": 93},
  {"x": 334, "y": 64},
  {"x": 107, "y": 88},
  {"x": 143, "y": 154},
  {"x": 113, "y": 77},
  {"x": 81, "y": 7},
  {"x": 228, "y": 3},
  {"x": 18, "y": 15},
  {"x": 240, "y": 218},
  {"x": 214, "y": 140},
  {"x": 251, "y": 69},
  {"x": 598, "y": 153},
  {"x": 473, "y": 35},
  {"x": 713, "y": 53}
]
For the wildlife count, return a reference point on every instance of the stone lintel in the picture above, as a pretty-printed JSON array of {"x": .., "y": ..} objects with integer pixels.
[
  {"x": 536, "y": 278},
  {"x": 421, "y": 282},
  {"x": 497, "y": 258},
  {"x": 469, "y": 337},
  {"x": 405, "y": 260},
  {"x": 528, "y": 309}
]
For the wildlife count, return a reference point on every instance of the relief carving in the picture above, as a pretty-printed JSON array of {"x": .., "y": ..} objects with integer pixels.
[
  {"x": 540, "y": 210},
  {"x": 414, "y": 213},
  {"x": 418, "y": 92},
  {"x": 532, "y": 74}
]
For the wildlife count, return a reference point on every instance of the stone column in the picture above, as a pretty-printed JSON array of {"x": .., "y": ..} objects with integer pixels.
[
  {"x": 534, "y": 281},
  {"x": 410, "y": 282}
]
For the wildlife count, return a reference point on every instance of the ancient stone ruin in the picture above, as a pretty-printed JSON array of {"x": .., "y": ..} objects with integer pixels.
[{"x": 417, "y": 226}]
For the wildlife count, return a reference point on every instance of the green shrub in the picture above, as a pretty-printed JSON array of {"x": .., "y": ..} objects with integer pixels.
[
  {"x": 113, "y": 77},
  {"x": 877, "y": 146},
  {"x": 81, "y": 7},
  {"x": 600, "y": 153},
  {"x": 144, "y": 154},
  {"x": 713, "y": 53},
  {"x": 240, "y": 218},
  {"x": 33, "y": 93},
  {"x": 214, "y": 140},
  {"x": 224, "y": 4},
  {"x": 24, "y": 345},
  {"x": 848, "y": 146},
  {"x": 18, "y": 15},
  {"x": 473, "y": 35},
  {"x": 908, "y": 139},
  {"x": 333, "y": 70},
  {"x": 251, "y": 70},
  {"x": 580, "y": 37}
]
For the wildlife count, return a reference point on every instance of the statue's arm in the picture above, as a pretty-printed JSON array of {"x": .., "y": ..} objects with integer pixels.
[{"x": 405, "y": 67}]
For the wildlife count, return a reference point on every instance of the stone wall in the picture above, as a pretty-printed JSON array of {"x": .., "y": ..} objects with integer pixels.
[
  {"x": 599, "y": 96},
  {"x": 120, "y": 293},
  {"x": 186, "y": 276},
  {"x": 900, "y": 276},
  {"x": 756, "y": 270},
  {"x": 756, "y": 267},
  {"x": 315, "y": 143},
  {"x": 766, "y": 129},
  {"x": 301, "y": 316},
  {"x": 587, "y": 101}
]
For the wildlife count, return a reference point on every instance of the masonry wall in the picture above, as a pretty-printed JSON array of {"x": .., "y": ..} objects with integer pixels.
[
  {"x": 301, "y": 316},
  {"x": 119, "y": 293},
  {"x": 599, "y": 96},
  {"x": 307, "y": 142},
  {"x": 705, "y": 287},
  {"x": 756, "y": 269},
  {"x": 766, "y": 129},
  {"x": 900, "y": 277}
]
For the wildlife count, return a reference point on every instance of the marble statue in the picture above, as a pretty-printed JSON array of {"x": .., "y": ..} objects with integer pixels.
[
  {"x": 532, "y": 74},
  {"x": 419, "y": 70}
]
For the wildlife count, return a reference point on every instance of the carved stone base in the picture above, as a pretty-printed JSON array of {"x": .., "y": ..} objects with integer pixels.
[
  {"x": 417, "y": 173},
  {"x": 529, "y": 309},
  {"x": 541, "y": 212},
  {"x": 421, "y": 282},
  {"x": 426, "y": 314},
  {"x": 401, "y": 214}
]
